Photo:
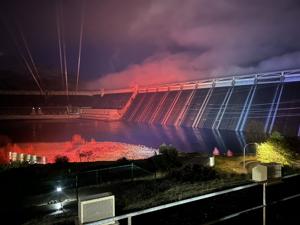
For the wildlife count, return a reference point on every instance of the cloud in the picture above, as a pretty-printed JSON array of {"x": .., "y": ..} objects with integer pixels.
[
  {"x": 161, "y": 68},
  {"x": 157, "y": 41},
  {"x": 169, "y": 68},
  {"x": 201, "y": 39},
  {"x": 283, "y": 62}
]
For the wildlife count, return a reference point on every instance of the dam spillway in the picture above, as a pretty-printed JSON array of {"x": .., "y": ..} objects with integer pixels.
[{"x": 253, "y": 103}]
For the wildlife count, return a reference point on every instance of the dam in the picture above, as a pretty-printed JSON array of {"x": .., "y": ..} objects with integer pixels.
[{"x": 262, "y": 102}]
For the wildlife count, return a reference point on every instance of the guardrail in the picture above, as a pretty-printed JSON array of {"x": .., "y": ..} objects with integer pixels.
[{"x": 129, "y": 216}]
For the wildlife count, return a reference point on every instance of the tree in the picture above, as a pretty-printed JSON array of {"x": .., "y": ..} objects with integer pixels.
[{"x": 275, "y": 149}]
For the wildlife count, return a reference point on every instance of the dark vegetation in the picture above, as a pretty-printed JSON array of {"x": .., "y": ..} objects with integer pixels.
[
  {"x": 166, "y": 177},
  {"x": 157, "y": 175},
  {"x": 193, "y": 173},
  {"x": 61, "y": 159}
]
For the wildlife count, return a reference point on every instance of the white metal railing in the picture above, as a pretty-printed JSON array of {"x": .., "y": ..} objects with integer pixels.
[
  {"x": 260, "y": 76},
  {"x": 169, "y": 205},
  {"x": 201, "y": 197}
]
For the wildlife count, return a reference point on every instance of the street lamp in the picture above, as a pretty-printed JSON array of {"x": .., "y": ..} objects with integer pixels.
[
  {"x": 244, "y": 152},
  {"x": 58, "y": 189}
]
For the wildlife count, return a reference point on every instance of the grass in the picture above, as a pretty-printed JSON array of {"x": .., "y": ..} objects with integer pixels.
[
  {"x": 176, "y": 192},
  {"x": 231, "y": 165}
]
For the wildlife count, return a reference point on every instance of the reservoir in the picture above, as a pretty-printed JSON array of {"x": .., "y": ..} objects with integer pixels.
[{"x": 185, "y": 139}]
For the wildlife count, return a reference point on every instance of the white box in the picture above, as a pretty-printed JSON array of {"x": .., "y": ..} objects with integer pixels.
[
  {"x": 96, "y": 207},
  {"x": 259, "y": 173}
]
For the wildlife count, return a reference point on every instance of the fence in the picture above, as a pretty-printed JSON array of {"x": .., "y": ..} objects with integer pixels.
[
  {"x": 99, "y": 176},
  {"x": 74, "y": 181},
  {"x": 110, "y": 174},
  {"x": 256, "y": 195}
]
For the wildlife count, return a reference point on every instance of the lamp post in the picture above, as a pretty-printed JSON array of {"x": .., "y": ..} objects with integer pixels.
[
  {"x": 59, "y": 191},
  {"x": 244, "y": 152}
]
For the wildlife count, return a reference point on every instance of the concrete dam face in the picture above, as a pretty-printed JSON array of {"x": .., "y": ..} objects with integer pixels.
[{"x": 251, "y": 104}]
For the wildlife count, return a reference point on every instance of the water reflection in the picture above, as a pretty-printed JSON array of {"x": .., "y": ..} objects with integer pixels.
[{"x": 185, "y": 139}]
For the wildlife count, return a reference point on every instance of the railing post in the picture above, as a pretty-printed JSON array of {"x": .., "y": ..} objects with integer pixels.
[
  {"x": 129, "y": 221},
  {"x": 264, "y": 203}
]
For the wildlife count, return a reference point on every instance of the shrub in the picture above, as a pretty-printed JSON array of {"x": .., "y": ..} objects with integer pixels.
[
  {"x": 167, "y": 159},
  {"x": 123, "y": 160},
  {"x": 60, "y": 159},
  {"x": 194, "y": 172},
  {"x": 275, "y": 149},
  {"x": 164, "y": 163},
  {"x": 169, "y": 151}
]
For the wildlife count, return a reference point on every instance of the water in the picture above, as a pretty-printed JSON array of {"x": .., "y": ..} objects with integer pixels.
[{"x": 184, "y": 139}]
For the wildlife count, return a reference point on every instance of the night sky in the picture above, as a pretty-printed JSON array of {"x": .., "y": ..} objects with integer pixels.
[{"x": 128, "y": 42}]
